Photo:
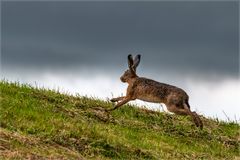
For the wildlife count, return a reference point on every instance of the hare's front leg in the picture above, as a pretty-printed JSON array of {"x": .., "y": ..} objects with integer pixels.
[
  {"x": 122, "y": 102},
  {"x": 117, "y": 99}
]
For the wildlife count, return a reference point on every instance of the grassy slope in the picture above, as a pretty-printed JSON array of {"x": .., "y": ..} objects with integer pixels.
[{"x": 42, "y": 124}]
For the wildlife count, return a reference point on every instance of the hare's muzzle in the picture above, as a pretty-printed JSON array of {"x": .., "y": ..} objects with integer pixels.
[{"x": 122, "y": 79}]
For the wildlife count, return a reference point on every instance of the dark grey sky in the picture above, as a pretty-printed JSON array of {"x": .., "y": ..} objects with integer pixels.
[{"x": 191, "y": 36}]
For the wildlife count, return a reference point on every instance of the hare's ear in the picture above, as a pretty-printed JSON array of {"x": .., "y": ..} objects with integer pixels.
[
  {"x": 130, "y": 61},
  {"x": 136, "y": 61}
]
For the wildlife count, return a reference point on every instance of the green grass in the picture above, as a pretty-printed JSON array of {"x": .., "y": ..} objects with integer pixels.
[{"x": 44, "y": 124}]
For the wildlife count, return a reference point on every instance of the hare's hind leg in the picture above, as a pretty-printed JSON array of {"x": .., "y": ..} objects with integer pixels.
[
  {"x": 198, "y": 119},
  {"x": 185, "y": 111},
  {"x": 194, "y": 114}
]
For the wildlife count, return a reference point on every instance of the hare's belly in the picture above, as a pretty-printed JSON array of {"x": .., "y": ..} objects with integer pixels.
[{"x": 150, "y": 98}]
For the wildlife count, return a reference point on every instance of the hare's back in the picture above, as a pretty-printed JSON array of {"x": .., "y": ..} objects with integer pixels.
[{"x": 150, "y": 90}]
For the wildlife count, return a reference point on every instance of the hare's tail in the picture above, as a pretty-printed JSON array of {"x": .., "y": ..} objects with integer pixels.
[{"x": 187, "y": 104}]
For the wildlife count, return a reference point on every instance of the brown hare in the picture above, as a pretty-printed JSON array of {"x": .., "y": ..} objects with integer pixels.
[{"x": 175, "y": 99}]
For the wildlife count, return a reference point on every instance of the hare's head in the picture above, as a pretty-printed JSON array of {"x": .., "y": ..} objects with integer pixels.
[{"x": 132, "y": 65}]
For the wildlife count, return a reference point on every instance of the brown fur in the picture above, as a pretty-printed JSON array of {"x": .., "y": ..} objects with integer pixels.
[{"x": 175, "y": 99}]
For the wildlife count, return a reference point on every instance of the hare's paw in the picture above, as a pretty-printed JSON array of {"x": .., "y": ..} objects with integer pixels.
[{"x": 114, "y": 99}]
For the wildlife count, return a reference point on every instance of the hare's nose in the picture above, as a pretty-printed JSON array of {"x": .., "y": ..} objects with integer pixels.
[{"x": 122, "y": 79}]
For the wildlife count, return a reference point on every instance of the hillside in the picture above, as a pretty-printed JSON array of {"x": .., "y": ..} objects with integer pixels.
[{"x": 44, "y": 124}]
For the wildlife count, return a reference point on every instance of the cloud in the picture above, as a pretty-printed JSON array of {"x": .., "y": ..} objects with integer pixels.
[{"x": 181, "y": 36}]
